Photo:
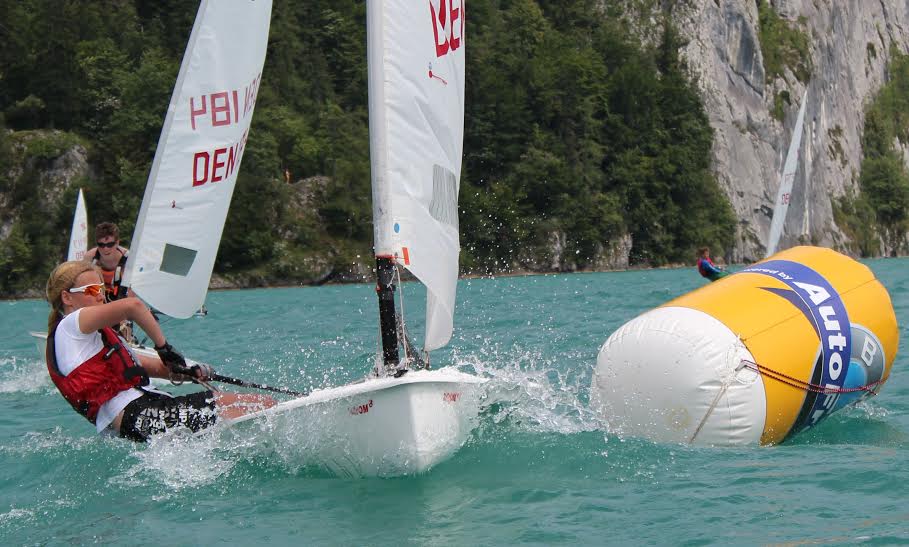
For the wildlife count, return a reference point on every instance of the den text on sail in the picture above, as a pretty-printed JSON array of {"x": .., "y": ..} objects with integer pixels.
[{"x": 219, "y": 109}]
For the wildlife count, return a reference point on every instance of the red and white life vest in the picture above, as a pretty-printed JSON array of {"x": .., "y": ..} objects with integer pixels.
[{"x": 100, "y": 378}]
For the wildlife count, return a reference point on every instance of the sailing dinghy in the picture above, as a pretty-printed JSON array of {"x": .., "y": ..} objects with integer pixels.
[
  {"x": 787, "y": 177},
  {"x": 403, "y": 418}
]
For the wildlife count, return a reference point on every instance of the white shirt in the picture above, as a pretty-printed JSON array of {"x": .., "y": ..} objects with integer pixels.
[{"x": 72, "y": 348}]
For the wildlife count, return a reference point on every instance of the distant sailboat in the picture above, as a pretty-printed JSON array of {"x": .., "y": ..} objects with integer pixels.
[
  {"x": 78, "y": 239},
  {"x": 787, "y": 177}
]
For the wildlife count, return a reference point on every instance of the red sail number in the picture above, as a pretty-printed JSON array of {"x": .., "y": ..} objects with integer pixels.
[{"x": 447, "y": 25}]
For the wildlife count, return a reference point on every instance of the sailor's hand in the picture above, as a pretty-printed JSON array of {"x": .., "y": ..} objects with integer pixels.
[
  {"x": 201, "y": 371},
  {"x": 171, "y": 358}
]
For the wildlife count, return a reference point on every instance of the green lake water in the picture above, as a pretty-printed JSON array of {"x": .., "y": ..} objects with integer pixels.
[{"x": 539, "y": 469}]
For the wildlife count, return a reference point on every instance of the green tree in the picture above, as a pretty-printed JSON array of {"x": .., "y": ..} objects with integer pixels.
[
  {"x": 782, "y": 44},
  {"x": 883, "y": 180}
]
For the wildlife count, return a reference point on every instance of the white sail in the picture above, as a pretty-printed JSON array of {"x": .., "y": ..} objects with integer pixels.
[
  {"x": 786, "y": 179},
  {"x": 416, "y": 126},
  {"x": 78, "y": 239},
  {"x": 192, "y": 178}
]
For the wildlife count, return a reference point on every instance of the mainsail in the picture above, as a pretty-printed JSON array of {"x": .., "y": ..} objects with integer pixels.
[
  {"x": 78, "y": 239},
  {"x": 192, "y": 178},
  {"x": 416, "y": 127},
  {"x": 786, "y": 179}
]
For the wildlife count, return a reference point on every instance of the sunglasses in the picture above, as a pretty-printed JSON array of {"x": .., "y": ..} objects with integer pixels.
[
  {"x": 94, "y": 289},
  {"x": 109, "y": 244}
]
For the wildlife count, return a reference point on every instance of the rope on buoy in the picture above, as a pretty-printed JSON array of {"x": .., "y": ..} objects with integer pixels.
[
  {"x": 716, "y": 400},
  {"x": 807, "y": 386}
]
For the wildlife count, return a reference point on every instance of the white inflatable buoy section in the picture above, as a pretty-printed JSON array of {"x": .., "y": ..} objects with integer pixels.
[{"x": 752, "y": 358}]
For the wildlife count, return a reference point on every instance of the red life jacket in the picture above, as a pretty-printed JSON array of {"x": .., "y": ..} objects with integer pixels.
[{"x": 100, "y": 378}]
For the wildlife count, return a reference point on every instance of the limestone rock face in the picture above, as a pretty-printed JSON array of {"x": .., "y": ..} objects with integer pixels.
[
  {"x": 54, "y": 174},
  {"x": 65, "y": 170},
  {"x": 850, "y": 44}
]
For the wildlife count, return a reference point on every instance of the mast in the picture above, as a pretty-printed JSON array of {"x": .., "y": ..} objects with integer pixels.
[
  {"x": 385, "y": 289},
  {"x": 384, "y": 250}
]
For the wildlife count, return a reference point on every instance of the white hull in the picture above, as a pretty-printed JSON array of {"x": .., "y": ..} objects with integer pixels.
[{"x": 383, "y": 426}]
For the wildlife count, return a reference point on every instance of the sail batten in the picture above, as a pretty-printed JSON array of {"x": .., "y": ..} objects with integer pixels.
[
  {"x": 195, "y": 168},
  {"x": 416, "y": 109},
  {"x": 787, "y": 178}
]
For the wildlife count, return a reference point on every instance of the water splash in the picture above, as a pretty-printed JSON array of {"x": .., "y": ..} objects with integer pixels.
[
  {"x": 179, "y": 460},
  {"x": 868, "y": 409},
  {"x": 46, "y": 442},
  {"x": 23, "y": 375},
  {"x": 531, "y": 392},
  {"x": 16, "y": 515}
]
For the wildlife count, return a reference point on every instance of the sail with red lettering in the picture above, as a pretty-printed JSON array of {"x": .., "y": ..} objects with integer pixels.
[
  {"x": 416, "y": 126},
  {"x": 787, "y": 177},
  {"x": 175, "y": 243},
  {"x": 78, "y": 239}
]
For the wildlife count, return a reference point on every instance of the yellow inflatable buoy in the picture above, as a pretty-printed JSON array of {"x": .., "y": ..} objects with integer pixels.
[{"x": 752, "y": 358}]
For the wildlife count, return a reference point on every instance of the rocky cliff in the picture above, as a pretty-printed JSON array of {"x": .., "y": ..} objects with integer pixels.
[
  {"x": 849, "y": 43},
  {"x": 58, "y": 162}
]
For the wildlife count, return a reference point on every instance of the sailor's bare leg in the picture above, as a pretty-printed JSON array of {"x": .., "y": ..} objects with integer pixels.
[{"x": 234, "y": 405}]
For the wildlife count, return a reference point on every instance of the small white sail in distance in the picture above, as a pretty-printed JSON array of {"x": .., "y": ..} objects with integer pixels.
[
  {"x": 78, "y": 239},
  {"x": 786, "y": 179},
  {"x": 192, "y": 178},
  {"x": 416, "y": 130}
]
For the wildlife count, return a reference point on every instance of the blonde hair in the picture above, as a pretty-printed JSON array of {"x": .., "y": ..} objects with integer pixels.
[{"x": 63, "y": 277}]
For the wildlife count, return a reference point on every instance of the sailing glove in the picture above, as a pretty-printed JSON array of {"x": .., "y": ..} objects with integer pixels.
[
  {"x": 201, "y": 371},
  {"x": 171, "y": 358}
]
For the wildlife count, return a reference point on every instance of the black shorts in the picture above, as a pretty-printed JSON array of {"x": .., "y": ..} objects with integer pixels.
[{"x": 153, "y": 413}]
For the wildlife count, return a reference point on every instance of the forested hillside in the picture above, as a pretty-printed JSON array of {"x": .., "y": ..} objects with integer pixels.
[{"x": 584, "y": 147}]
